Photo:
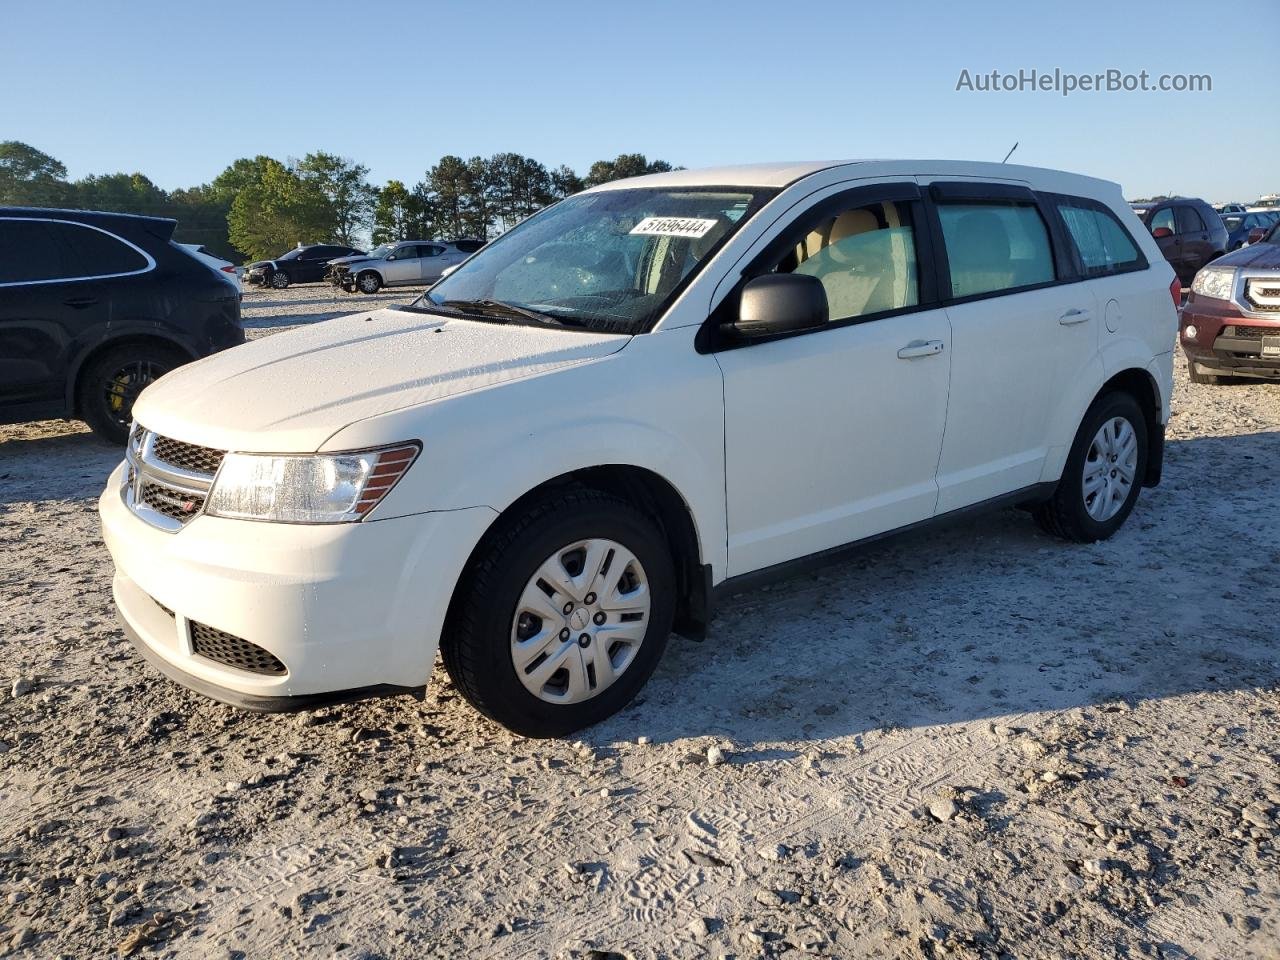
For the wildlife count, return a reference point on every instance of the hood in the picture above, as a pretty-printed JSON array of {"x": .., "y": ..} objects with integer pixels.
[
  {"x": 259, "y": 263},
  {"x": 292, "y": 391},
  {"x": 1264, "y": 256},
  {"x": 354, "y": 258}
]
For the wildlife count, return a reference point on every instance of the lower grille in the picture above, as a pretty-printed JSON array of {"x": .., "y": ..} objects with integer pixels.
[
  {"x": 1255, "y": 332},
  {"x": 172, "y": 503},
  {"x": 226, "y": 649}
]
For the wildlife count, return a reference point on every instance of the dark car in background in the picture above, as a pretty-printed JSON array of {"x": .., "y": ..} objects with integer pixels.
[
  {"x": 1188, "y": 231},
  {"x": 1241, "y": 225},
  {"x": 1230, "y": 325},
  {"x": 94, "y": 307},
  {"x": 307, "y": 264}
]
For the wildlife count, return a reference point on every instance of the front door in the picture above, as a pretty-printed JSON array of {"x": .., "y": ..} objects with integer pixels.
[{"x": 833, "y": 434}]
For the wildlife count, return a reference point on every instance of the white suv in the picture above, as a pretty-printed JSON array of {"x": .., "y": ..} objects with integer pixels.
[{"x": 632, "y": 402}]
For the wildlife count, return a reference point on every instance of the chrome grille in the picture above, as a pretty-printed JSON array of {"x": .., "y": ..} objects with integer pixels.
[
  {"x": 167, "y": 480},
  {"x": 188, "y": 456},
  {"x": 1262, "y": 294},
  {"x": 224, "y": 648}
]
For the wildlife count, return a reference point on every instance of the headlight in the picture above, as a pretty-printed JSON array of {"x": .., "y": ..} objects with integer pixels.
[
  {"x": 1214, "y": 282},
  {"x": 312, "y": 488}
]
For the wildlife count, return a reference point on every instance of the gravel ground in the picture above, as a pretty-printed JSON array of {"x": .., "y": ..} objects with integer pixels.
[{"x": 968, "y": 742}]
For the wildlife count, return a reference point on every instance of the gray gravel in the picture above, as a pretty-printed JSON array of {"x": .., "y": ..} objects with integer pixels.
[{"x": 968, "y": 742}]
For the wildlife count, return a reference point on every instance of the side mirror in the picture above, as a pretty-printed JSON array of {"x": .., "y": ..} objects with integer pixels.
[
  {"x": 1257, "y": 233},
  {"x": 781, "y": 303},
  {"x": 1161, "y": 232}
]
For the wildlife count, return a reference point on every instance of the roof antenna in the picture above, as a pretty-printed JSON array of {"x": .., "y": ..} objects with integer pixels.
[{"x": 1010, "y": 153}]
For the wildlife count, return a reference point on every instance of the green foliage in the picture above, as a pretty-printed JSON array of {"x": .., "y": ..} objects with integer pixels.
[
  {"x": 624, "y": 165},
  {"x": 258, "y": 207},
  {"x": 31, "y": 178}
]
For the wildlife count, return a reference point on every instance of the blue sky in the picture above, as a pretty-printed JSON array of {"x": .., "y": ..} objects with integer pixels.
[{"x": 177, "y": 90}]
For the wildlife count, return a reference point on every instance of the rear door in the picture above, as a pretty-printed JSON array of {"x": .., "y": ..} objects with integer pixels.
[
  {"x": 435, "y": 259},
  {"x": 55, "y": 278},
  {"x": 1019, "y": 335},
  {"x": 1197, "y": 249}
]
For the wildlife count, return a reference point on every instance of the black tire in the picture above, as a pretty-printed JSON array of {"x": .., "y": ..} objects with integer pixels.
[
  {"x": 1065, "y": 514},
  {"x": 279, "y": 279},
  {"x": 369, "y": 282},
  {"x": 476, "y": 645},
  {"x": 109, "y": 385},
  {"x": 1207, "y": 378}
]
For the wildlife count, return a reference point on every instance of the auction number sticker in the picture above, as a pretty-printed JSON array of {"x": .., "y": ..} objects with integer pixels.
[{"x": 692, "y": 227}]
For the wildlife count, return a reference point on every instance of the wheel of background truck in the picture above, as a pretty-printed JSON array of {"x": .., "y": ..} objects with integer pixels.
[
  {"x": 1103, "y": 474},
  {"x": 562, "y": 615},
  {"x": 279, "y": 280},
  {"x": 1196, "y": 377},
  {"x": 369, "y": 282},
  {"x": 109, "y": 385}
]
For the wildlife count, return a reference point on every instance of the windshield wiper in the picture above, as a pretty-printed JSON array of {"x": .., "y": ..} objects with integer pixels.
[{"x": 503, "y": 308}]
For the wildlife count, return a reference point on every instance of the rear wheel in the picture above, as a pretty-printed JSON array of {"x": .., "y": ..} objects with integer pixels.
[
  {"x": 563, "y": 616},
  {"x": 110, "y": 384},
  {"x": 1103, "y": 474},
  {"x": 369, "y": 282},
  {"x": 279, "y": 280}
]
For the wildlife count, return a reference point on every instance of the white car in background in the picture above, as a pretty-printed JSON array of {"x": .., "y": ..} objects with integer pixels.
[
  {"x": 649, "y": 394},
  {"x": 201, "y": 253}
]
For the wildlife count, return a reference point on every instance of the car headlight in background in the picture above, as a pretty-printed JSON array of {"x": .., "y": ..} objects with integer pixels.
[
  {"x": 308, "y": 488},
  {"x": 1214, "y": 282}
]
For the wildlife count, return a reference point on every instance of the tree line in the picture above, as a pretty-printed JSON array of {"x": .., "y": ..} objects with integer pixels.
[{"x": 259, "y": 207}]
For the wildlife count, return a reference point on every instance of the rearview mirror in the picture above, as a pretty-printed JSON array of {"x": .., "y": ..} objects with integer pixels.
[
  {"x": 781, "y": 303},
  {"x": 1161, "y": 232},
  {"x": 1257, "y": 233}
]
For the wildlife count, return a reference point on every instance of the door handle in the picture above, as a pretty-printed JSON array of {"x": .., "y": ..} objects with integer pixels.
[
  {"x": 921, "y": 348},
  {"x": 1074, "y": 316},
  {"x": 79, "y": 303}
]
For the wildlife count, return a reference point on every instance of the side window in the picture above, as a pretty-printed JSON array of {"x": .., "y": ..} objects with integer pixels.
[
  {"x": 30, "y": 251},
  {"x": 1189, "y": 221},
  {"x": 431, "y": 251},
  {"x": 97, "y": 254},
  {"x": 994, "y": 246},
  {"x": 1163, "y": 219},
  {"x": 1102, "y": 242},
  {"x": 865, "y": 258}
]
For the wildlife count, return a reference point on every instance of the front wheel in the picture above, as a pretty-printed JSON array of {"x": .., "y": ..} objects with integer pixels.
[
  {"x": 1195, "y": 376},
  {"x": 1103, "y": 474},
  {"x": 109, "y": 385},
  {"x": 563, "y": 614},
  {"x": 369, "y": 282},
  {"x": 279, "y": 280}
]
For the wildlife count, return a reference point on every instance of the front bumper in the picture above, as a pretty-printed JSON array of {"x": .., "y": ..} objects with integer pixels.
[
  {"x": 349, "y": 609},
  {"x": 1227, "y": 341}
]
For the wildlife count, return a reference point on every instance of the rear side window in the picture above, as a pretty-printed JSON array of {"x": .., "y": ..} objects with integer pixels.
[
  {"x": 432, "y": 251},
  {"x": 1101, "y": 241},
  {"x": 43, "y": 250},
  {"x": 468, "y": 246},
  {"x": 1189, "y": 221},
  {"x": 994, "y": 246},
  {"x": 97, "y": 254}
]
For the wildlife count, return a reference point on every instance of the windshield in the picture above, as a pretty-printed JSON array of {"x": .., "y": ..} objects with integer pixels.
[
  {"x": 292, "y": 254},
  {"x": 610, "y": 261},
  {"x": 380, "y": 252}
]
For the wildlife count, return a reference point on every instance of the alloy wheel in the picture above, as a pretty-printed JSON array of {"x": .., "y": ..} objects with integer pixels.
[
  {"x": 121, "y": 389},
  {"x": 580, "y": 621}
]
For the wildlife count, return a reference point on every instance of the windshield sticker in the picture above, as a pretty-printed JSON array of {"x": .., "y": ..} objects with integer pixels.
[{"x": 691, "y": 227}]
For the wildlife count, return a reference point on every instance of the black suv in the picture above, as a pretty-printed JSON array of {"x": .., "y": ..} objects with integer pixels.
[
  {"x": 1189, "y": 232},
  {"x": 95, "y": 306},
  {"x": 299, "y": 265}
]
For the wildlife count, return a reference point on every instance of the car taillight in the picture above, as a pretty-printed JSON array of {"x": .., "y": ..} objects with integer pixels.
[
  {"x": 228, "y": 269},
  {"x": 1175, "y": 291}
]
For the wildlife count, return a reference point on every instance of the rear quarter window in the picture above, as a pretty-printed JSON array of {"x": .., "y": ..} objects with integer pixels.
[
  {"x": 1102, "y": 245},
  {"x": 33, "y": 251}
]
